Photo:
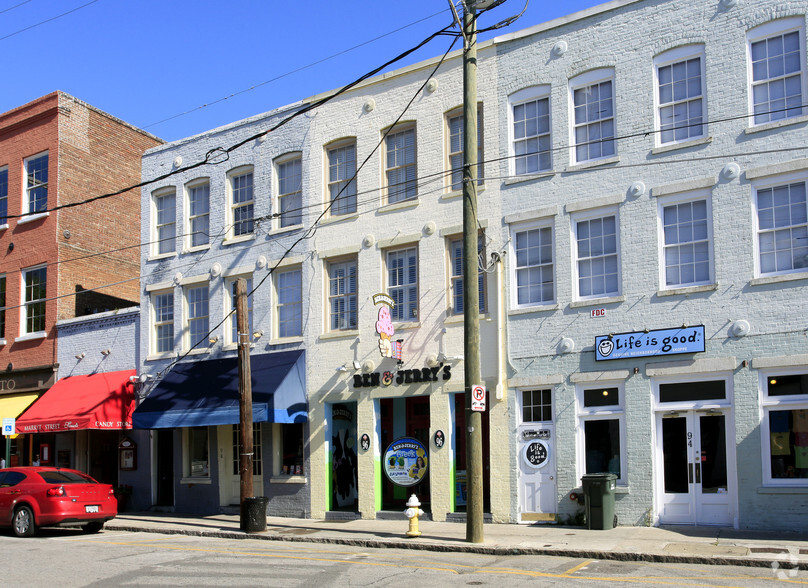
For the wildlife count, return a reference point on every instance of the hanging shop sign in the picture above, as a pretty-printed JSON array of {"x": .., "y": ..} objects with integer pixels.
[
  {"x": 649, "y": 343},
  {"x": 416, "y": 376},
  {"x": 405, "y": 461},
  {"x": 384, "y": 327}
]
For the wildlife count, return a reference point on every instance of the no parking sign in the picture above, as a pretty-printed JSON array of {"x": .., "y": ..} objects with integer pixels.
[{"x": 478, "y": 398}]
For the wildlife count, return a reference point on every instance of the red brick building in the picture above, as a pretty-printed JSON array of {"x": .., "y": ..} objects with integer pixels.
[{"x": 58, "y": 263}]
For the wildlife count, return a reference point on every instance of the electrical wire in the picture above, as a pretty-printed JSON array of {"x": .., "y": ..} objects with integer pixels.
[
  {"x": 33, "y": 26},
  {"x": 13, "y": 7}
]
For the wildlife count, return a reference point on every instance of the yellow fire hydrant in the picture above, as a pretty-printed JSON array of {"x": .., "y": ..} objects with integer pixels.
[{"x": 412, "y": 513}]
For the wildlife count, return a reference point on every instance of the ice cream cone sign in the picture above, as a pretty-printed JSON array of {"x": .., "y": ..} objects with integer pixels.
[{"x": 384, "y": 325}]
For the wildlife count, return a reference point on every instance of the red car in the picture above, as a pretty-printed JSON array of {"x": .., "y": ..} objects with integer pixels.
[{"x": 32, "y": 497}]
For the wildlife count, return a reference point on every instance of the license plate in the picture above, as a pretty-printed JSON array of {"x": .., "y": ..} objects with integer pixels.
[{"x": 91, "y": 508}]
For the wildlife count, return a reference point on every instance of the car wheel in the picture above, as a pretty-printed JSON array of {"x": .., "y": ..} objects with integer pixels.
[
  {"x": 23, "y": 522},
  {"x": 93, "y": 527}
]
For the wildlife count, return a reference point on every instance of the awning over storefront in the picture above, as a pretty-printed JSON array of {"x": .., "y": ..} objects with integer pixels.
[
  {"x": 11, "y": 406},
  {"x": 98, "y": 401},
  {"x": 205, "y": 393}
]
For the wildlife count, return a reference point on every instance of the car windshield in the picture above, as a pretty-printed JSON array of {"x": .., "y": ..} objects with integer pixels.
[{"x": 62, "y": 477}]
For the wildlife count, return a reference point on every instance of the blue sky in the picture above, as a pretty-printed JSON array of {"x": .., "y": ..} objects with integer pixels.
[{"x": 145, "y": 61}]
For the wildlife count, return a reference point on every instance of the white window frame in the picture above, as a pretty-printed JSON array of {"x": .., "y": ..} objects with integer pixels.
[
  {"x": 600, "y": 413},
  {"x": 772, "y": 182},
  {"x": 187, "y": 456},
  {"x": 29, "y": 188},
  {"x": 775, "y": 403},
  {"x": 237, "y": 229},
  {"x": 155, "y": 323},
  {"x": 283, "y": 304},
  {"x": 676, "y": 200},
  {"x": 404, "y": 286},
  {"x": 164, "y": 244},
  {"x": 766, "y": 31},
  {"x": 289, "y": 194},
  {"x": 192, "y": 307},
  {"x": 231, "y": 324},
  {"x": 521, "y": 401},
  {"x": 258, "y": 449},
  {"x": 192, "y": 216},
  {"x": 672, "y": 58},
  {"x": 515, "y": 268},
  {"x": 344, "y": 185},
  {"x": 454, "y": 153},
  {"x": 3, "y": 196},
  {"x": 401, "y": 159},
  {"x": 3, "y": 303},
  {"x": 456, "y": 278},
  {"x": 588, "y": 216},
  {"x": 25, "y": 307},
  {"x": 343, "y": 295},
  {"x": 521, "y": 98},
  {"x": 586, "y": 80}
]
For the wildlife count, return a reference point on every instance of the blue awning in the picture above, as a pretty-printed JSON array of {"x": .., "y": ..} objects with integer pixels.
[{"x": 205, "y": 393}]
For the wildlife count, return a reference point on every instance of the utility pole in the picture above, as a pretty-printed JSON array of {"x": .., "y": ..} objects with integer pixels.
[
  {"x": 471, "y": 299},
  {"x": 245, "y": 465}
]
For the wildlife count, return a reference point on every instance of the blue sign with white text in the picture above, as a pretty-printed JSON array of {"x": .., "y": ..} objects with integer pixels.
[{"x": 642, "y": 344}]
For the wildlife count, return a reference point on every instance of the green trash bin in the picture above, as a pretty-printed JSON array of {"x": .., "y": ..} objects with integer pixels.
[{"x": 599, "y": 497}]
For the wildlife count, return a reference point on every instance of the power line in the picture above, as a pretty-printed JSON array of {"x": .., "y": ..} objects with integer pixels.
[
  {"x": 293, "y": 71},
  {"x": 15, "y": 6},
  {"x": 33, "y": 26}
]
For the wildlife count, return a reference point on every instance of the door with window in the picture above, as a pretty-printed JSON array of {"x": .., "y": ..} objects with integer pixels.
[
  {"x": 695, "y": 458},
  {"x": 536, "y": 457},
  {"x": 229, "y": 456}
]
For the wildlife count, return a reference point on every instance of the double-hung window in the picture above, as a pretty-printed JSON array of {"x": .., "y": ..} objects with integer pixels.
[
  {"x": 681, "y": 109},
  {"x": 597, "y": 256},
  {"x": 289, "y": 293},
  {"x": 290, "y": 191},
  {"x": 686, "y": 247},
  {"x": 341, "y": 178},
  {"x": 601, "y": 430},
  {"x": 3, "y": 196},
  {"x": 533, "y": 271},
  {"x": 456, "y": 279},
  {"x": 36, "y": 183},
  {"x": 532, "y": 145},
  {"x": 402, "y": 283},
  {"x": 342, "y": 295},
  {"x": 34, "y": 296},
  {"x": 198, "y": 213},
  {"x": 782, "y": 227},
  {"x": 197, "y": 317},
  {"x": 242, "y": 201},
  {"x": 593, "y": 130},
  {"x": 162, "y": 321},
  {"x": 784, "y": 428},
  {"x": 165, "y": 221},
  {"x": 232, "y": 319},
  {"x": 456, "y": 142},
  {"x": 402, "y": 177},
  {"x": 777, "y": 69}
]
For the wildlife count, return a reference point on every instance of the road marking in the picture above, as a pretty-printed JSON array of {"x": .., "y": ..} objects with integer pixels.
[{"x": 583, "y": 564}]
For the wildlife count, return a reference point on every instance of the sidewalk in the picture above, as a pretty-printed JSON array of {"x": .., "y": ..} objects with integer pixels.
[{"x": 673, "y": 544}]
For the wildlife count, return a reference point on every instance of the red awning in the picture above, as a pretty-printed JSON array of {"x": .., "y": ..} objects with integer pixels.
[{"x": 97, "y": 401}]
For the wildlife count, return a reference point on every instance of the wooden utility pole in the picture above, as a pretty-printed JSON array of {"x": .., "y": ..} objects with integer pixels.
[
  {"x": 471, "y": 272},
  {"x": 245, "y": 465}
]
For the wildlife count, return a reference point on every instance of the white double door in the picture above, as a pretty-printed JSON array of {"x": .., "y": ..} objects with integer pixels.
[{"x": 695, "y": 467}]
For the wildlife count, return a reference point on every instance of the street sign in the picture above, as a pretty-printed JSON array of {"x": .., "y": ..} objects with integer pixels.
[
  {"x": 478, "y": 398},
  {"x": 9, "y": 427}
]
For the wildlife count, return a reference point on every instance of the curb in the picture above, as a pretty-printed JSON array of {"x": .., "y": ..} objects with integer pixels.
[{"x": 757, "y": 562}]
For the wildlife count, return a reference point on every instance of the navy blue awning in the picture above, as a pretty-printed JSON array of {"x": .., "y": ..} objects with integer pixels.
[{"x": 205, "y": 393}]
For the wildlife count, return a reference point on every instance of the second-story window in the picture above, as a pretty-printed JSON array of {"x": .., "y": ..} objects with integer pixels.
[
  {"x": 289, "y": 289},
  {"x": 455, "y": 147},
  {"x": 163, "y": 321},
  {"x": 456, "y": 263},
  {"x": 242, "y": 203},
  {"x": 342, "y": 299},
  {"x": 34, "y": 295},
  {"x": 165, "y": 221},
  {"x": 3, "y": 196},
  {"x": 36, "y": 183},
  {"x": 341, "y": 180},
  {"x": 290, "y": 191},
  {"x": 197, "y": 314},
  {"x": 597, "y": 256},
  {"x": 402, "y": 283},
  {"x": 199, "y": 213},
  {"x": 402, "y": 177}
]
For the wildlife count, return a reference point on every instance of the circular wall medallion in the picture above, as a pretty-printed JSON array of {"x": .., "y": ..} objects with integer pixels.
[{"x": 536, "y": 454}]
